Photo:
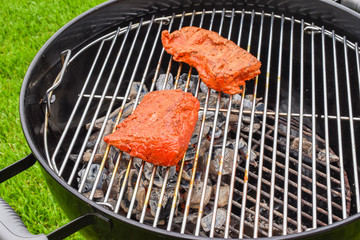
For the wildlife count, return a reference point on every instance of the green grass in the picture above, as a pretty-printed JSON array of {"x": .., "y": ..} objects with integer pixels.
[{"x": 25, "y": 27}]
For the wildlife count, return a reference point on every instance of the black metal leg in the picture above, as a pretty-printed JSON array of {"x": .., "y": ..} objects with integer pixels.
[
  {"x": 78, "y": 224},
  {"x": 17, "y": 167}
]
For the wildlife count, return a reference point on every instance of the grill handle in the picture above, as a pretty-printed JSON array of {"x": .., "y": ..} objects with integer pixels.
[
  {"x": 11, "y": 225},
  {"x": 13, "y": 228},
  {"x": 17, "y": 168}
]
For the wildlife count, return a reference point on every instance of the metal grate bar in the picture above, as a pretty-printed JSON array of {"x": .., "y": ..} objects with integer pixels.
[
  {"x": 313, "y": 127},
  {"x": 175, "y": 197},
  {"x": 132, "y": 202},
  {"x": 352, "y": 134},
  {"x": 269, "y": 112},
  {"x": 99, "y": 174},
  {"x": 205, "y": 181},
  {"x": 85, "y": 111},
  {"x": 125, "y": 179},
  {"x": 157, "y": 69},
  {"x": 210, "y": 148},
  {"x": 193, "y": 173},
  {"x": 328, "y": 181},
  {"x": 161, "y": 56},
  {"x": 157, "y": 214},
  {"x": 288, "y": 129},
  {"x": 282, "y": 114},
  {"x": 104, "y": 125},
  {"x": 168, "y": 168},
  {"x": 262, "y": 144},
  {"x": 154, "y": 168},
  {"x": 99, "y": 138},
  {"x": 301, "y": 123},
  {"x": 99, "y": 96},
  {"x": 233, "y": 176},
  {"x": 248, "y": 154},
  {"x": 212, "y": 229},
  {"x": 173, "y": 206},
  {"x": 273, "y": 168},
  {"x": 341, "y": 157},
  {"x": 158, "y": 210},
  {"x": 187, "y": 207},
  {"x": 135, "y": 104},
  {"x": 146, "y": 202},
  {"x": 236, "y": 153},
  {"x": 221, "y": 163}
]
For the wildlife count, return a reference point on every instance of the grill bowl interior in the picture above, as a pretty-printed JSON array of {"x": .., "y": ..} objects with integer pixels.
[{"x": 66, "y": 94}]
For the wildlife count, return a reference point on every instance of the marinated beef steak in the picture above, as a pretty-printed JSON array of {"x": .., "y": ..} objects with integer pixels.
[
  {"x": 222, "y": 65},
  {"x": 160, "y": 128}
]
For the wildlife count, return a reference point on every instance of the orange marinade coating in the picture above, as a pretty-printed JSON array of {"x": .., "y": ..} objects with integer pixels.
[
  {"x": 160, "y": 128},
  {"x": 222, "y": 65}
]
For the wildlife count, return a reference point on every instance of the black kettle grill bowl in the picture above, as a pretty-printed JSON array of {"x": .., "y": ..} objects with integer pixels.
[{"x": 107, "y": 17}]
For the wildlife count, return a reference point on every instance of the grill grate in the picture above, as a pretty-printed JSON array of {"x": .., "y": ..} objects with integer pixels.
[{"x": 307, "y": 61}]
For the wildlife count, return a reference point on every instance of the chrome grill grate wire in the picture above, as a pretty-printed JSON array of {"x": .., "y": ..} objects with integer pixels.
[{"x": 318, "y": 196}]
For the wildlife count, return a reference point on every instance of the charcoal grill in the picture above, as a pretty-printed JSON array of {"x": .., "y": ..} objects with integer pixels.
[{"x": 304, "y": 63}]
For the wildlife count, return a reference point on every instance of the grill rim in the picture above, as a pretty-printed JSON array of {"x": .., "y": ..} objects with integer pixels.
[{"x": 25, "y": 123}]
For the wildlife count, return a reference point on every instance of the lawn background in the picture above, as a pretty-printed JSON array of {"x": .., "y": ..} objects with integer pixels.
[{"x": 25, "y": 27}]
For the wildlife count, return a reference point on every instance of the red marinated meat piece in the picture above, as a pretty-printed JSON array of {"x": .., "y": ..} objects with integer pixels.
[
  {"x": 160, "y": 128},
  {"x": 222, "y": 65}
]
